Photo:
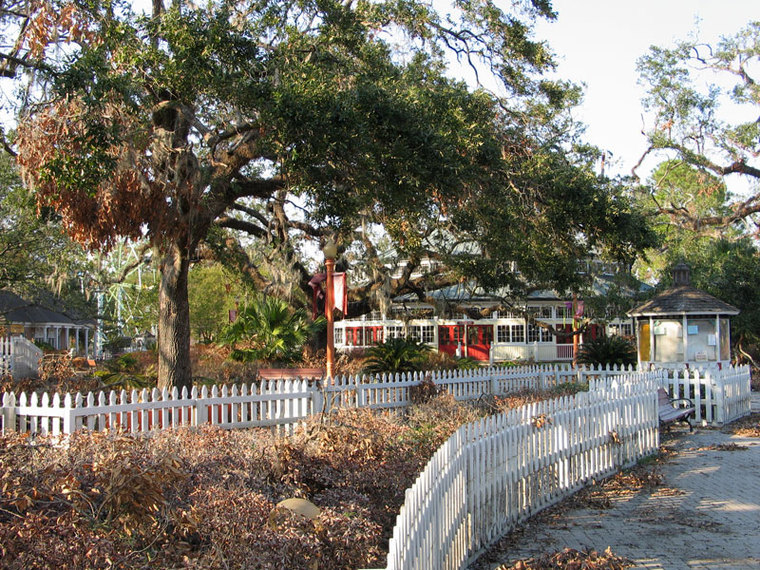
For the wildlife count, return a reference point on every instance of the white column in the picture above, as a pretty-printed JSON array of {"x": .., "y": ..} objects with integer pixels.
[
  {"x": 685, "y": 342},
  {"x": 86, "y": 342}
]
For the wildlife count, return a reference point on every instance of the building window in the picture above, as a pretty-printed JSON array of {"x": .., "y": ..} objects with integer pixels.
[
  {"x": 622, "y": 329},
  {"x": 510, "y": 333},
  {"x": 564, "y": 312},
  {"x": 338, "y": 336},
  {"x": 538, "y": 334},
  {"x": 428, "y": 334},
  {"x": 414, "y": 333},
  {"x": 541, "y": 311},
  {"x": 394, "y": 332}
]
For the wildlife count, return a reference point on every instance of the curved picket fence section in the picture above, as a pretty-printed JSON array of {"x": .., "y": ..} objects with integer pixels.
[{"x": 494, "y": 473}]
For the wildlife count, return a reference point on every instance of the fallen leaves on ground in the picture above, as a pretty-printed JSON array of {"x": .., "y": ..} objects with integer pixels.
[
  {"x": 623, "y": 484},
  {"x": 571, "y": 559},
  {"x": 748, "y": 426},
  {"x": 723, "y": 447}
]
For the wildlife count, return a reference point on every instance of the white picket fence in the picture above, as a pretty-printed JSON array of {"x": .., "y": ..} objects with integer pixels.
[
  {"x": 19, "y": 357},
  {"x": 285, "y": 403},
  {"x": 719, "y": 396},
  {"x": 494, "y": 473},
  {"x": 278, "y": 403}
]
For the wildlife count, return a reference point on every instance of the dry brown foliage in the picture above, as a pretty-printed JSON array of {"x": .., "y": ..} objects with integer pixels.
[
  {"x": 571, "y": 559},
  {"x": 202, "y": 498}
]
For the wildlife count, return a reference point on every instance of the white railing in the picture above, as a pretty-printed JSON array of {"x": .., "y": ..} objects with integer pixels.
[
  {"x": 494, "y": 473},
  {"x": 719, "y": 396},
  {"x": 538, "y": 352},
  {"x": 267, "y": 403},
  {"x": 19, "y": 357}
]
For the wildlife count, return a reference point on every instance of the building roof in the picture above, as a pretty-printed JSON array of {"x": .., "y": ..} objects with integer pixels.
[
  {"x": 683, "y": 300},
  {"x": 16, "y": 310}
]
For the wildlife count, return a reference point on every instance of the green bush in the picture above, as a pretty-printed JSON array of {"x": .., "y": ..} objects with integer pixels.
[
  {"x": 603, "y": 351},
  {"x": 467, "y": 363},
  {"x": 396, "y": 355},
  {"x": 269, "y": 330}
]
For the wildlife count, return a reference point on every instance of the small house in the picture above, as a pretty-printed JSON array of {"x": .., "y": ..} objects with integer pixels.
[
  {"x": 683, "y": 326},
  {"x": 38, "y": 323}
]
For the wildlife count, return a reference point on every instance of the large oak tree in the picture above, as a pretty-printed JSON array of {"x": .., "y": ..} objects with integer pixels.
[{"x": 320, "y": 118}]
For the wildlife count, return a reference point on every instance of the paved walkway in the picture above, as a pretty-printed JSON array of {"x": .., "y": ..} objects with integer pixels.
[{"x": 705, "y": 514}]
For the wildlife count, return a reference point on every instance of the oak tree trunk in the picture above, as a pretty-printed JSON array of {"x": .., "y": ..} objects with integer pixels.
[{"x": 174, "y": 321}]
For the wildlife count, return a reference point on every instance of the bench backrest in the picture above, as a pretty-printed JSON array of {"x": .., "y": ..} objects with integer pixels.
[{"x": 662, "y": 397}]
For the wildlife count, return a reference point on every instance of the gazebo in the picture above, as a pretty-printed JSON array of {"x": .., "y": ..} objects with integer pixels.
[{"x": 683, "y": 326}]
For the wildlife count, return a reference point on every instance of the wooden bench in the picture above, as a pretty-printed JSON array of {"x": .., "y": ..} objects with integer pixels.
[{"x": 670, "y": 413}]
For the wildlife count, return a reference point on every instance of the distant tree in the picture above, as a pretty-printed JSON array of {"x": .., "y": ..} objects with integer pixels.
[
  {"x": 35, "y": 253},
  {"x": 676, "y": 185},
  {"x": 729, "y": 270},
  {"x": 213, "y": 293},
  {"x": 692, "y": 87}
]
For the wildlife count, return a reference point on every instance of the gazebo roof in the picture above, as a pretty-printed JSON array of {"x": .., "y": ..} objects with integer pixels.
[{"x": 683, "y": 300}]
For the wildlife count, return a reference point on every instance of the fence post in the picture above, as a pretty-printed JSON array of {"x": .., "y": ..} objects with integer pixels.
[
  {"x": 718, "y": 386},
  {"x": 318, "y": 397},
  {"x": 494, "y": 382},
  {"x": 68, "y": 415},
  {"x": 9, "y": 412},
  {"x": 201, "y": 411}
]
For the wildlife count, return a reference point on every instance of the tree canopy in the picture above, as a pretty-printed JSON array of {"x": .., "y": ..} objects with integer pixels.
[
  {"x": 34, "y": 251},
  {"x": 305, "y": 120},
  {"x": 705, "y": 102}
]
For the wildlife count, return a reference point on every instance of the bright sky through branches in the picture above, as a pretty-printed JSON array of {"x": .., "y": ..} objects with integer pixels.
[{"x": 598, "y": 42}]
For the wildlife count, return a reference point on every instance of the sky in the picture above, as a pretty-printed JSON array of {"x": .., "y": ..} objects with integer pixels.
[{"x": 597, "y": 42}]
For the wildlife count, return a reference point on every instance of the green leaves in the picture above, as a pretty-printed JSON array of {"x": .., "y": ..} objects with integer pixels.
[
  {"x": 704, "y": 103},
  {"x": 269, "y": 330},
  {"x": 396, "y": 355},
  {"x": 608, "y": 350}
]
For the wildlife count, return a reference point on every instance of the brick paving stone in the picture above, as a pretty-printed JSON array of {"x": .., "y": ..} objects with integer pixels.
[{"x": 705, "y": 515}]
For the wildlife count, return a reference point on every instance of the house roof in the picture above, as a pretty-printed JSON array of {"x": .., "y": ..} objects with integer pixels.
[
  {"x": 16, "y": 310},
  {"x": 472, "y": 293},
  {"x": 683, "y": 300}
]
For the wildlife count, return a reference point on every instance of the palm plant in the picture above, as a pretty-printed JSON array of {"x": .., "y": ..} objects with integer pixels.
[
  {"x": 269, "y": 330},
  {"x": 602, "y": 351},
  {"x": 396, "y": 355}
]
